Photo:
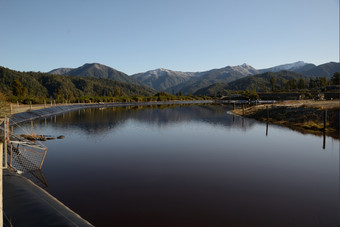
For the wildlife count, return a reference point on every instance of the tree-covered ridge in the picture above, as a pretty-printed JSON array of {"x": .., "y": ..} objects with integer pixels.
[
  {"x": 189, "y": 83},
  {"x": 98, "y": 71},
  {"x": 283, "y": 81},
  {"x": 163, "y": 79},
  {"x": 29, "y": 85}
]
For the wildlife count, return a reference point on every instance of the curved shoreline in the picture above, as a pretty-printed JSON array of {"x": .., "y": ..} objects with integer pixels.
[
  {"x": 305, "y": 117},
  {"x": 56, "y": 110}
]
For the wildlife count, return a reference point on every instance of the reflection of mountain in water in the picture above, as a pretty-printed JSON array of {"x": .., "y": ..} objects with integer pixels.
[{"x": 98, "y": 121}]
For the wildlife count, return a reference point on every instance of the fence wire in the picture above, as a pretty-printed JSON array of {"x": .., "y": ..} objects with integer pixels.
[
  {"x": 29, "y": 161},
  {"x": 24, "y": 155}
]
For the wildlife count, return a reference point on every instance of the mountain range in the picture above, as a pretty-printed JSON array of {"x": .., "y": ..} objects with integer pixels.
[
  {"x": 191, "y": 82},
  {"x": 258, "y": 82}
]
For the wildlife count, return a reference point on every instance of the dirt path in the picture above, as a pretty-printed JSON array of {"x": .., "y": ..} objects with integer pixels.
[{"x": 8, "y": 110}]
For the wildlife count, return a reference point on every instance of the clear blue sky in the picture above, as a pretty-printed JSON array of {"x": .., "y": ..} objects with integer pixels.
[{"x": 185, "y": 35}]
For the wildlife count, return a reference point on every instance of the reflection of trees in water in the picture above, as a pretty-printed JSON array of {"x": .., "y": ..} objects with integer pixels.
[{"x": 98, "y": 121}]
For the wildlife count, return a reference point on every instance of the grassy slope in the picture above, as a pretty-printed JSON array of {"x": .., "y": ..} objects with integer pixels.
[{"x": 304, "y": 116}]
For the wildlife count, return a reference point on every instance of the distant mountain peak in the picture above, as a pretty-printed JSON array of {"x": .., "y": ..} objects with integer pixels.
[
  {"x": 295, "y": 66},
  {"x": 245, "y": 65},
  {"x": 162, "y": 70},
  {"x": 60, "y": 71},
  {"x": 98, "y": 71}
]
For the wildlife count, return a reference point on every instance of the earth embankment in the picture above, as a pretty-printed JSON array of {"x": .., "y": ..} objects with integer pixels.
[{"x": 306, "y": 116}]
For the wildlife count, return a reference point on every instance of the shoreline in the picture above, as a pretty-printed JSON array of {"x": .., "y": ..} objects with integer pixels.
[
  {"x": 36, "y": 113},
  {"x": 305, "y": 116}
]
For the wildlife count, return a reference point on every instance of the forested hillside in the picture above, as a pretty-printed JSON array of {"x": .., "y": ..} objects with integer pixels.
[
  {"x": 270, "y": 82},
  {"x": 96, "y": 70},
  {"x": 34, "y": 86}
]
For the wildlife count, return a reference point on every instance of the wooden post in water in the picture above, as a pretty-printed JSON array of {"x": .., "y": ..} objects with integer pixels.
[
  {"x": 1, "y": 203},
  {"x": 324, "y": 120},
  {"x": 324, "y": 128},
  {"x": 267, "y": 113},
  {"x": 234, "y": 106},
  {"x": 267, "y": 109},
  {"x": 324, "y": 140},
  {"x": 243, "y": 109}
]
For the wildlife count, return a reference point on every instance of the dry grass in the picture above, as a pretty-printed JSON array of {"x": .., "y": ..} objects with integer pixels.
[
  {"x": 303, "y": 115},
  {"x": 6, "y": 110}
]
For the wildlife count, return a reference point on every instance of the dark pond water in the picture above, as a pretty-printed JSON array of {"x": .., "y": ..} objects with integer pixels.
[{"x": 189, "y": 166}]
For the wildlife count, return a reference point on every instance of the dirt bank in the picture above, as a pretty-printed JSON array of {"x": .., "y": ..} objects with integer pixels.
[{"x": 306, "y": 116}]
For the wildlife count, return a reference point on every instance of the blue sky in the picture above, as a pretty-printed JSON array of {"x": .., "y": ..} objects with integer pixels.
[{"x": 185, "y": 35}]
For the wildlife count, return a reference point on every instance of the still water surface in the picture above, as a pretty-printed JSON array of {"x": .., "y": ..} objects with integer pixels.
[{"x": 191, "y": 165}]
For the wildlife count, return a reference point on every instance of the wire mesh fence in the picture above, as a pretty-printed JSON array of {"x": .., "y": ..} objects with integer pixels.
[{"x": 24, "y": 156}]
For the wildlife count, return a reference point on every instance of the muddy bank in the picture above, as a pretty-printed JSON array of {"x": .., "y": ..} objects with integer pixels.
[{"x": 304, "y": 117}]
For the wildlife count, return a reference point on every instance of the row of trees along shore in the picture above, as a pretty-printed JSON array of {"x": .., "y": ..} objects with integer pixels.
[
  {"x": 161, "y": 96},
  {"x": 313, "y": 84},
  {"x": 301, "y": 85}
]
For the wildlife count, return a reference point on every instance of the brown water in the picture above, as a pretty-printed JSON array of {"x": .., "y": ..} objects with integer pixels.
[{"x": 189, "y": 166}]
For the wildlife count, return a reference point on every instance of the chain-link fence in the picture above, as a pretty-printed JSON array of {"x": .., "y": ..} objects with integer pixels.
[{"x": 23, "y": 156}]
